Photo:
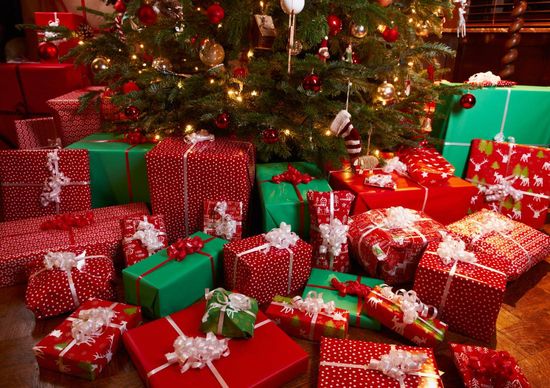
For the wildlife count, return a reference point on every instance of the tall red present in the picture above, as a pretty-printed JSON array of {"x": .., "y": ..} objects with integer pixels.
[
  {"x": 84, "y": 343},
  {"x": 463, "y": 286},
  {"x": 142, "y": 236},
  {"x": 426, "y": 166},
  {"x": 36, "y": 133},
  {"x": 160, "y": 352},
  {"x": 328, "y": 213},
  {"x": 274, "y": 263},
  {"x": 512, "y": 179},
  {"x": 43, "y": 182},
  {"x": 182, "y": 173},
  {"x": 388, "y": 243},
  {"x": 223, "y": 219},
  {"x": 349, "y": 363}
]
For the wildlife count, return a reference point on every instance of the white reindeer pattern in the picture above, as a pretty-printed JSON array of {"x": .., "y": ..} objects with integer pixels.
[
  {"x": 477, "y": 166},
  {"x": 516, "y": 213},
  {"x": 539, "y": 181},
  {"x": 506, "y": 156},
  {"x": 524, "y": 181},
  {"x": 537, "y": 213},
  {"x": 398, "y": 327},
  {"x": 525, "y": 157},
  {"x": 546, "y": 166}
]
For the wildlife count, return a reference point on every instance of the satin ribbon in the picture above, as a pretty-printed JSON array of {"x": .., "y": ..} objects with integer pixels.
[
  {"x": 333, "y": 235},
  {"x": 501, "y": 190},
  {"x": 495, "y": 368},
  {"x": 148, "y": 236},
  {"x": 228, "y": 304},
  {"x": 68, "y": 222},
  {"x": 225, "y": 226}
]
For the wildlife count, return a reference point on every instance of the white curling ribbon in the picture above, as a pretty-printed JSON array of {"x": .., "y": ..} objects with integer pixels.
[
  {"x": 334, "y": 236},
  {"x": 64, "y": 260},
  {"x": 281, "y": 237},
  {"x": 314, "y": 304},
  {"x": 226, "y": 226},
  {"x": 487, "y": 78},
  {"x": 52, "y": 23},
  {"x": 394, "y": 164},
  {"x": 380, "y": 180},
  {"x": 197, "y": 352},
  {"x": 91, "y": 323},
  {"x": 55, "y": 182},
  {"x": 197, "y": 137},
  {"x": 501, "y": 190},
  {"x": 451, "y": 250},
  {"x": 149, "y": 236},
  {"x": 398, "y": 363},
  {"x": 228, "y": 304},
  {"x": 493, "y": 224},
  {"x": 409, "y": 303},
  {"x": 400, "y": 218}
]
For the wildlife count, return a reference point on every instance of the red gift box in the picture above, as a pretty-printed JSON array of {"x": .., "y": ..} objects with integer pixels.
[
  {"x": 388, "y": 243},
  {"x": 275, "y": 263},
  {"x": 36, "y": 133},
  {"x": 82, "y": 351},
  {"x": 328, "y": 212},
  {"x": 182, "y": 174},
  {"x": 349, "y": 363},
  {"x": 512, "y": 179},
  {"x": 518, "y": 246},
  {"x": 426, "y": 166},
  {"x": 43, "y": 182},
  {"x": 54, "y": 19},
  {"x": 142, "y": 236},
  {"x": 269, "y": 359},
  {"x": 223, "y": 219},
  {"x": 465, "y": 288},
  {"x": 25, "y": 241}
]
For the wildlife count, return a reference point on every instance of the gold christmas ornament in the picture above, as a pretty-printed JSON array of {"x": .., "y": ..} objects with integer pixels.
[
  {"x": 297, "y": 48},
  {"x": 358, "y": 30},
  {"x": 162, "y": 64},
  {"x": 99, "y": 64},
  {"x": 385, "y": 92},
  {"x": 211, "y": 53}
]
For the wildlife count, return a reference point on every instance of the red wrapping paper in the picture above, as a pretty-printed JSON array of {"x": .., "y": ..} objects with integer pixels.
[
  {"x": 23, "y": 241},
  {"x": 391, "y": 254},
  {"x": 133, "y": 248},
  {"x": 269, "y": 359},
  {"x": 22, "y": 177},
  {"x": 182, "y": 175},
  {"x": 359, "y": 354},
  {"x": 66, "y": 19},
  {"x": 526, "y": 167},
  {"x": 36, "y": 133},
  {"x": 86, "y": 360},
  {"x": 426, "y": 166},
  {"x": 213, "y": 218}
]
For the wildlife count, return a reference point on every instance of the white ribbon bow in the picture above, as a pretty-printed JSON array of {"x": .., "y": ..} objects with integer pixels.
[
  {"x": 55, "y": 182},
  {"x": 411, "y": 306},
  {"x": 394, "y": 164},
  {"x": 64, "y": 260},
  {"x": 314, "y": 304},
  {"x": 52, "y": 23},
  {"x": 334, "y": 235},
  {"x": 197, "y": 137},
  {"x": 451, "y": 250},
  {"x": 493, "y": 224},
  {"x": 149, "y": 236},
  {"x": 226, "y": 226},
  {"x": 281, "y": 237},
  {"x": 91, "y": 323},
  {"x": 487, "y": 78},
  {"x": 398, "y": 363},
  {"x": 197, "y": 352},
  {"x": 499, "y": 191},
  {"x": 230, "y": 304},
  {"x": 400, "y": 218},
  {"x": 380, "y": 180}
]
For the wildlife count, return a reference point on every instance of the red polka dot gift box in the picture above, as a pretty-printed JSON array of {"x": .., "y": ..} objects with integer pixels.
[
  {"x": 223, "y": 219},
  {"x": 426, "y": 166},
  {"x": 142, "y": 236},
  {"x": 43, "y": 182},
  {"x": 84, "y": 343},
  {"x": 350, "y": 363}
]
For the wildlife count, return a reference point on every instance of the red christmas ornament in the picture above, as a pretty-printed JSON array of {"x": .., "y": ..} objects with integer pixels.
[
  {"x": 130, "y": 86},
  {"x": 355, "y": 58},
  {"x": 215, "y": 13},
  {"x": 239, "y": 72},
  {"x": 222, "y": 121},
  {"x": 390, "y": 34},
  {"x": 312, "y": 83},
  {"x": 147, "y": 15},
  {"x": 467, "y": 101},
  {"x": 132, "y": 112},
  {"x": 270, "y": 136},
  {"x": 334, "y": 24},
  {"x": 120, "y": 6},
  {"x": 48, "y": 51}
]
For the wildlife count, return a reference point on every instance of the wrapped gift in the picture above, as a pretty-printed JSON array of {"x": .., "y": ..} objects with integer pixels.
[
  {"x": 223, "y": 219},
  {"x": 283, "y": 191},
  {"x": 518, "y": 246},
  {"x": 274, "y": 263},
  {"x": 310, "y": 317},
  {"x": 43, "y": 182},
  {"x": 142, "y": 237},
  {"x": 463, "y": 286},
  {"x": 264, "y": 32},
  {"x": 482, "y": 367},
  {"x": 25, "y": 241},
  {"x": 36, "y": 133},
  {"x": 156, "y": 283},
  {"x": 174, "y": 352},
  {"x": 349, "y": 363},
  {"x": 388, "y": 243},
  {"x": 64, "y": 280},
  {"x": 84, "y": 343},
  {"x": 348, "y": 292},
  {"x": 426, "y": 166},
  {"x": 405, "y": 314},
  {"x": 183, "y": 173},
  {"x": 512, "y": 179},
  {"x": 229, "y": 314},
  {"x": 329, "y": 227},
  {"x": 117, "y": 168},
  {"x": 58, "y": 19}
]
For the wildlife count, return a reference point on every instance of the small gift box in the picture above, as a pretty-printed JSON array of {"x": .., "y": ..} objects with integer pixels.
[
  {"x": 274, "y": 263},
  {"x": 482, "y": 367},
  {"x": 156, "y": 283},
  {"x": 405, "y": 314},
  {"x": 86, "y": 341},
  {"x": 64, "y": 280},
  {"x": 142, "y": 237},
  {"x": 223, "y": 219},
  {"x": 349, "y": 363},
  {"x": 172, "y": 352},
  {"x": 310, "y": 317},
  {"x": 329, "y": 226},
  {"x": 463, "y": 286},
  {"x": 388, "y": 243},
  {"x": 264, "y": 32},
  {"x": 426, "y": 166}
]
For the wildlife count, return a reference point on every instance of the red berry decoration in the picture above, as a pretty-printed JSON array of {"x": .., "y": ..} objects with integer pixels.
[
  {"x": 222, "y": 121},
  {"x": 132, "y": 112},
  {"x": 334, "y": 24},
  {"x": 130, "y": 86},
  {"x": 467, "y": 101},
  {"x": 390, "y": 34},
  {"x": 48, "y": 51},
  {"x": 120, "y": 6},
  {"x": 215, "y": 13},
  {"x": 147, "y": 15},
  {"x": 270, "y": 136},
  {"x": 239, "y": 72},
  {"x": 312, "y": 83}
]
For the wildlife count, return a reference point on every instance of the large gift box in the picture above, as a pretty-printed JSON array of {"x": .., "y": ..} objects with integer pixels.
[
  {"x": 117, "y": 169},
  {"x": 223, "y": 219},
  {"x": 348, "y": 292},
  {"x": 174, "y": 278},
  {"x": 84, "y": 343},
  {"x": 388, "y": 243},
  {"x": 142, "y": 236},
  {"x": 283, "y": 191},
  {"x": 174, "y": 352},
  {"x": 426, "y": 166},
  {"x": 182, "y": 173},
  {"x": 349, "y": 363},
  {"x": 274, "y": 263},
  {"x": 512, "y": 179},
  {"x": 25, "y": 241},
  {"x": 43, "y": 182}
]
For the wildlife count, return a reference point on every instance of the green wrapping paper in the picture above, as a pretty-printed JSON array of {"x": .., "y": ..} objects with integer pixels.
[
  {"x": 280, "y": 202},
  {"x": 117, "y": 169},
  {"x": 319, "y": 281},
  {"x": 174, "y": 285},
  {"x": 233, "y": 313}
]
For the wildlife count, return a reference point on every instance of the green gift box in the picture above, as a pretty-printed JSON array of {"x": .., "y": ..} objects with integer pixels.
[
  {"x": 117, "y": 169},
  {"x": 162, "y": 286},
  {"x": 520, "y": 111},
  {"x": 286, "y": 202},
  {"x": 320, "y": 281}
]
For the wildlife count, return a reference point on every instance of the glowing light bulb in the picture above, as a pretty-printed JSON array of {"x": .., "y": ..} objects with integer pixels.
[
  {"x": 212, "y": 80},
  {"x": 254, "y": 93},
  {"x": 134, "y": 56},
  {"x": 286, "y": 132},
  {"x": 250, "y": 53},
  {"x": 80, "y": 42},
  {"x": 327, "y": 132},
  {"x": 189, "y": 128}
]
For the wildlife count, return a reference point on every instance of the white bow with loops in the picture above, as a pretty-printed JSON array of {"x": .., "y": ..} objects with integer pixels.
[
  {"x": 91, "y": 323},
  {"x": 231, "y": 304},
  {"x": 281, "y": 237},
  {"x": 400, "y": 218},
  {"x": 64, "y": 260},
  {"x": 398, "y": 363},
  {"x": 226, "y": 226},
  {"x": 451, "y": 250},
  {"x": 313, "y": 304},
  {"x": 493, "y": 224},
  {"x": 411, "y": 306},
  {"x": 197, "y": 352},
  {"x": 197, "y": 137},
  {"x": 334, "y": 235},
  {"x": 380, "y": 180},
  {"x": 394, "y": 164},
  {"x": 487, "y": 78},
  {"x": 149, "y": 236},
  {"x": 52, "y": 23},
  {"x": 55, "y": 182},
  {"x": 499, "y": 191}
]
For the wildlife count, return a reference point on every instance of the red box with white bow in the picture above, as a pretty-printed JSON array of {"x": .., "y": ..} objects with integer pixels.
[
  {"x": 142, "y": 236},
  {"x": 223, "y": 219}
]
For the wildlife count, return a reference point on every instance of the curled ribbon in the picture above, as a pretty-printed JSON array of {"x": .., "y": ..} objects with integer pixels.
[
  {"x": 484, "y": 79},
  {"x": 197, "y": 352},
  {"x": 148, "y": 235},
  {"x": 49, "y": 35},
  {"x": 64, "y": 261},
  {"x": 501, "y": 190},
  {"x": 55, "y": 182},
  {"x": 225, "y": 226},
  {"x": 281, "y": 237},
  {"x": 68, "y": 221},
  {"x": 394, "y": 164},
  {"x": 381, "y": 180},
  {"x": 228, "y": 304},
  {"x": 185, "y": 246},
  {"x": 400, "y": 218},
  {"x": 398, "y": 363},
  {"x": 293, "y": 176},
  {"x": 314, "y": 304},
  {"x": 492, "y": 224},
  {"x": 492, "y": 366},
  {"x": 334, "y": 236},
  {"x": 350, "y": 287},
  {"x": 90, "y": 324},
  {"x": 200, "y": 136},
  {"x": 451, "y": 250},
  {"x": 135, "y": 138},
  {"x": 409, "y": 303}
]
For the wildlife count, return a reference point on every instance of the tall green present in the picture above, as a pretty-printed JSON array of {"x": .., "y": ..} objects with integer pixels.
[
  {"x": 519, "y": 111},
  {"x": 283, "y": 193},
  {"x": 174, "y": 279},
  {"x": 117, "y": 169},
  {"x": 320, "y": 281}
]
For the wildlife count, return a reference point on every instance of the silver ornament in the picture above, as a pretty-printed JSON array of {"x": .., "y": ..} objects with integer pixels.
[
  {"x": 358, "y": 30},
  {"x": 385, "y": 92}
]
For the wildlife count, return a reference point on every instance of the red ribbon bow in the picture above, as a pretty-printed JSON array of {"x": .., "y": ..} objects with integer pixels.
[
  {"x": 292, "y": 175},
  {"x": 185, "y": 246},
  {"x": 351, "y": 287},
  {"x": 68, "y": 221},
  {"x": 135, "y": 138},
  {"x": 493, "y": 367}
]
